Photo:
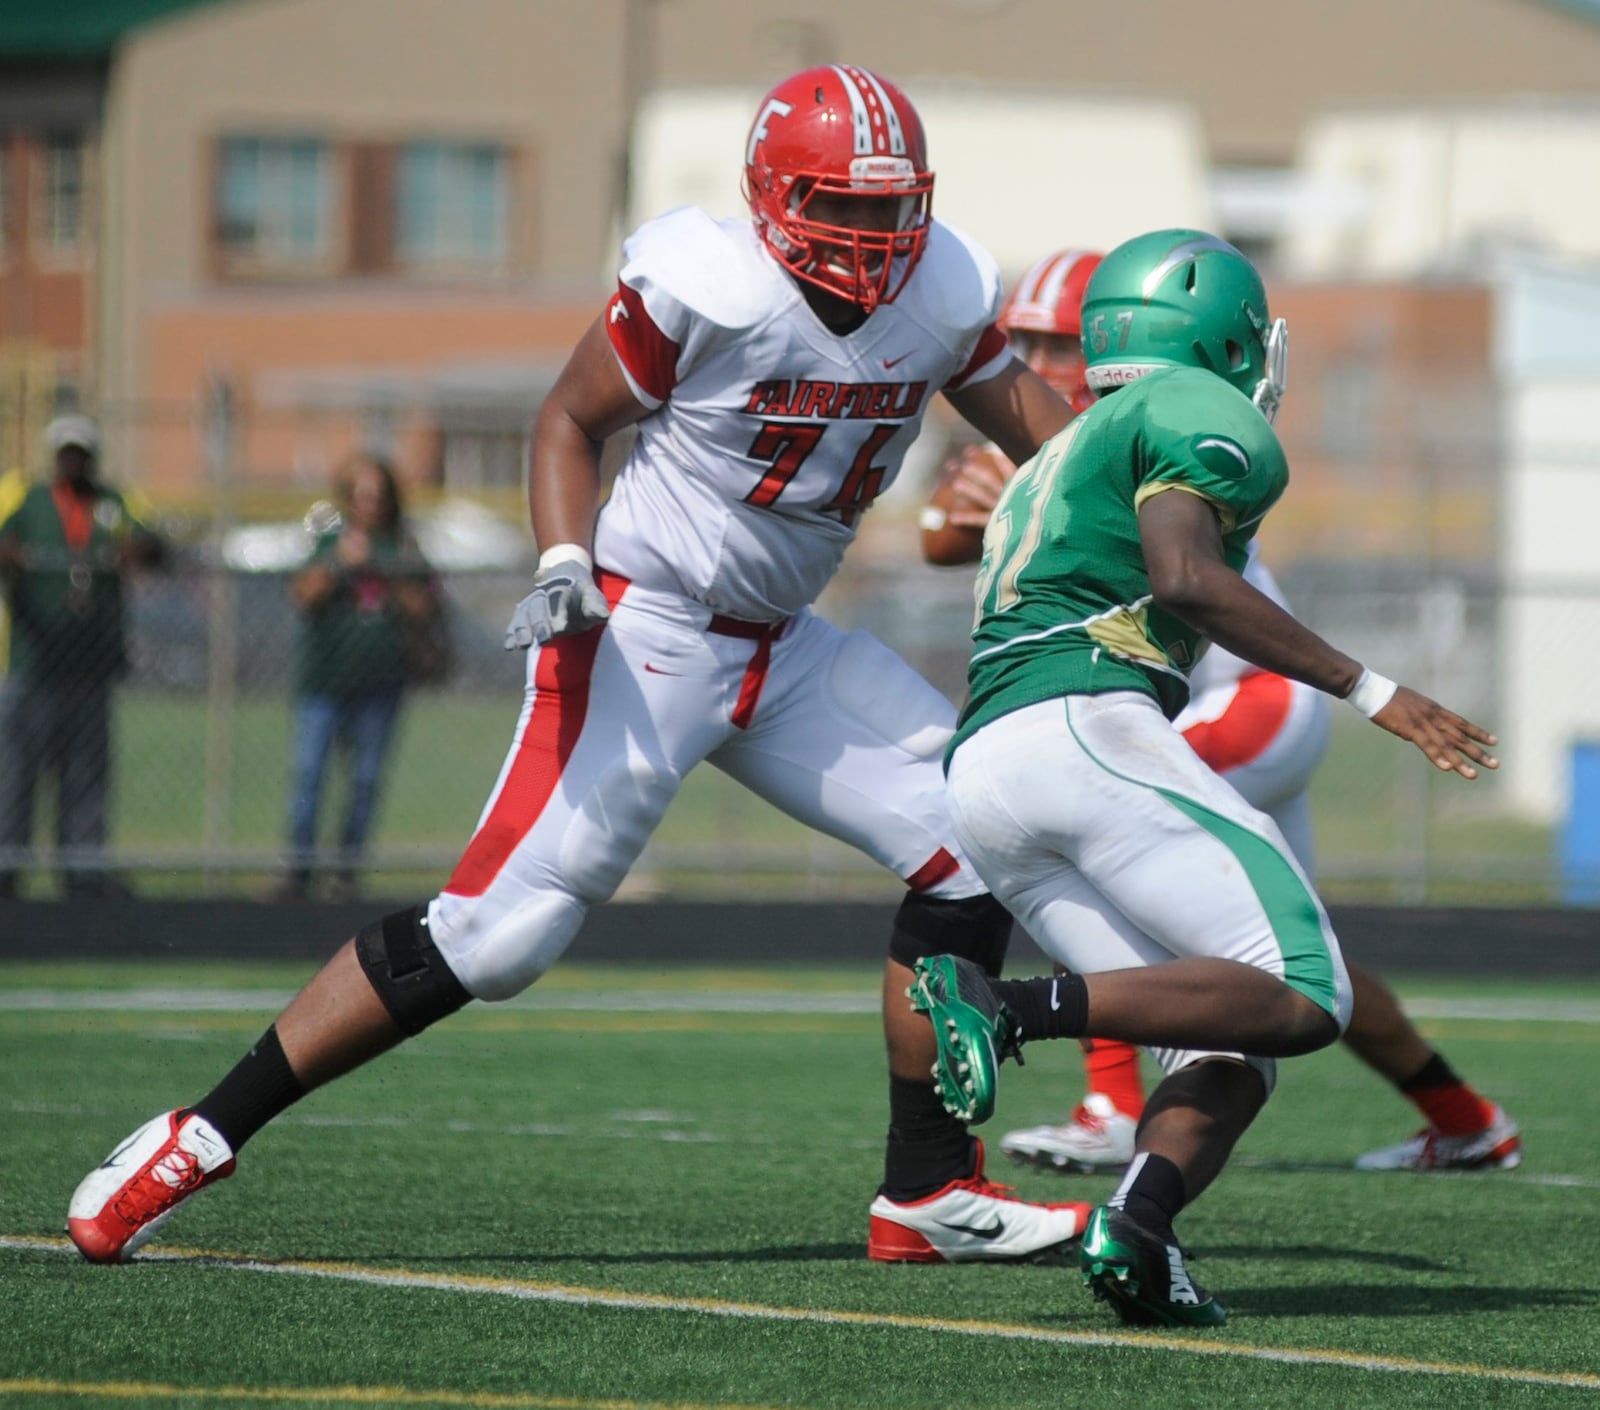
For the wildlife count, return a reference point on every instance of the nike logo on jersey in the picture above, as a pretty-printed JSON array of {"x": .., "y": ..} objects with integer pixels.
[
  {"x": 656, "y": 670},
  {"x": 992, "y": 1232},
  {"x": 889, "y": 362}
]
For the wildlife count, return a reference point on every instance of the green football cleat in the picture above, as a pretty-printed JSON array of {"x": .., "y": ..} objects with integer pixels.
[
  {"x": 1142, "y": 1276},
  {"x": 974, "y": 1030}
]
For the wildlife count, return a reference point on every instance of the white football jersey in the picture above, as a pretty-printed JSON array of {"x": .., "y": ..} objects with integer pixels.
[
  {"x": 1220, "y": 667},
  {"x": 771, "y": 435}
]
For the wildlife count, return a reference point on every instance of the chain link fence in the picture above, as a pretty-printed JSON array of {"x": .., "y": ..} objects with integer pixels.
[{"x": 202, "y": 720}]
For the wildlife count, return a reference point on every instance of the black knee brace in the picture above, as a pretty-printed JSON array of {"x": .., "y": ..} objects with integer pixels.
[
  {"x": 407, "y": 972},
  {"x": 978, "y": 928}
]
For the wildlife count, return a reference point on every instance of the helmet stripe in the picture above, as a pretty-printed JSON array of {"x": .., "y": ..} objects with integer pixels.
[
  {"x": 1182, "y": 254},
  {"x": 860, "y": 118},
  {"x": 891, "y": 115},
  {"x": 1056, "y": 280}
]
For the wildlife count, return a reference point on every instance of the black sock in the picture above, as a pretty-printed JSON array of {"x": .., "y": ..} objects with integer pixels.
[
  {"x": 1151, "y": 1194},
  {"x": 1436, "y": 1072},
  {"x": 260, "y": 1086},
  {"x": 1053, "y": 1006},
  {"x": 928, "y": 1148}
]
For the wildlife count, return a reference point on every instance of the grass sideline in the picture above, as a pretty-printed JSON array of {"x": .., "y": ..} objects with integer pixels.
[{"x": 648, "y": 1187}]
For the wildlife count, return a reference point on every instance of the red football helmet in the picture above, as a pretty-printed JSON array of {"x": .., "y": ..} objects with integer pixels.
[
  {"x": 1042, "y": 318},
  {"x": 840, "y": 132}
]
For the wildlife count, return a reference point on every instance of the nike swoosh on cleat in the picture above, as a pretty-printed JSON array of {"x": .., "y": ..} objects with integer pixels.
[
  {"x": 110, "y": 1161},
  {"x": 993, "y": 1232},
  {"x": 1055, "y": 1002}
]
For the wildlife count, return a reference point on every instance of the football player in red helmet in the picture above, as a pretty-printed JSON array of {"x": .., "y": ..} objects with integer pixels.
[
  {"x": 1041, "y": 318},
  {"x": 775, "y": 372},
  {"x": 839, "y": 186}
]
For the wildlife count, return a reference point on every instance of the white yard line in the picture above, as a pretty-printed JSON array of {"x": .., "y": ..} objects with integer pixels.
[{"x": 530, "y": 1291}]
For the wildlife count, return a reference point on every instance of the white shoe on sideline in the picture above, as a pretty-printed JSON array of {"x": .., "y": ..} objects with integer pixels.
[{"x": 1098, "y": 1138}]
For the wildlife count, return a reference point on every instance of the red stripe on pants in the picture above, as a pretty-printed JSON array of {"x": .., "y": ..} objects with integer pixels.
[
  {"x": 1250, "y": 723},
  {"x": 940, "y": 865},
  {"x": 560, "y": 706}
]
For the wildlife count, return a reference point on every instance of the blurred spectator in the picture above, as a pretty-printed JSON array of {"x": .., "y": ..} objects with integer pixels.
[
  {"x": 372, "y": 624},
  {"x": 64, "y": 550}
]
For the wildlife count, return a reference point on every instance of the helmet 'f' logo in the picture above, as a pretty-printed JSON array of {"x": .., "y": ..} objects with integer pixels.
[
  {"x": 773, "y": 107},
  {"x": 874, "y": 120}
]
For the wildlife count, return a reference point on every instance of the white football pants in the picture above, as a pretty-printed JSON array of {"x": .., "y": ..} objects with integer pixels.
[
  {"x": 830, "y": 726},
  {"x": 1101, "y": 830}
]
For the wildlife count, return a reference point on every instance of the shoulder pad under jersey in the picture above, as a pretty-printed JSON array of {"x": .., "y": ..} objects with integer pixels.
[
  {"x": 713, "y": 269},
  {"x": 956, "y": 290}
]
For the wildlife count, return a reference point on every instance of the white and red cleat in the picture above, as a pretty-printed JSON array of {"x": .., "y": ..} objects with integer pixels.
[
  {"x": 123, "y": 1201},
  {"x": 1096, "y": 1137},
  {"x": 1497, "y": 1147},
  {"x": 969, "y": 1221}
]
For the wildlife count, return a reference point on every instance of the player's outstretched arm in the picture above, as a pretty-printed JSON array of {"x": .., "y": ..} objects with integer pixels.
[
  {"x": 590, "y": 401},
  {"x": 1189, "y": 578},
  {"x": 1016, "y": 409}
]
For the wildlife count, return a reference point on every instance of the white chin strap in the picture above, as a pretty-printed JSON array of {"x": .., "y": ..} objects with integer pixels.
[{"x": 1270, "y": 389}]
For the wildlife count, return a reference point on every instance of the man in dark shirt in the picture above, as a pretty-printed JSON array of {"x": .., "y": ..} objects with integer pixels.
[{"x": 63, "y": 553}]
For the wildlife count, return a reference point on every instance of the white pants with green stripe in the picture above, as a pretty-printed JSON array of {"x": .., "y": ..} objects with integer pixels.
[{"x": 1116, "y": 847}]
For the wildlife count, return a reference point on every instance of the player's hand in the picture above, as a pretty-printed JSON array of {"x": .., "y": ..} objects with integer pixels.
[
  {"x": 1452, "y": 742},
  {"x": 564, "y": 601},
  {"x": 980, "y": 475}
]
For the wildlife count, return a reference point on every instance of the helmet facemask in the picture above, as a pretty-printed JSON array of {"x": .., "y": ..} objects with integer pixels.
[
  {"x": 838, "y": 184},
  {"x": 868, "y": 266},
  {"x": 1269, "y": 392}
]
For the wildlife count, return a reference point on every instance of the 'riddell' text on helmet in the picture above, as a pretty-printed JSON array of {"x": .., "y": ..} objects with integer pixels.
[
  {"x": 1183, "y": 298},
  {"x": 840, "y": 131}
]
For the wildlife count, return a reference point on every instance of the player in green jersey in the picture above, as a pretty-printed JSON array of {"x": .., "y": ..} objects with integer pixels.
[{"x": 1111, "y": 559}]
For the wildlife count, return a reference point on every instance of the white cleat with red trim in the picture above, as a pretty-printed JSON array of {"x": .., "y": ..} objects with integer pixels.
[
  {"x": 123, "y": 1201},
  {"x": 969, "y": 1221}
]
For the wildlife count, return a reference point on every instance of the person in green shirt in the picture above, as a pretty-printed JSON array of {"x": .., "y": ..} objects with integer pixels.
[
  {"x": 65, "y": 549},
  {"x": 1112, "y": 559},
  {"x": 366, "y": 597}
]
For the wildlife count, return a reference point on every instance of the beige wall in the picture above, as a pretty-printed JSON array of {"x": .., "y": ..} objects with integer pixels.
[
  {"x": 552, "y": 80},
  {"x": 528, "y": 74},
  {"x": 1256, "y": 71}
]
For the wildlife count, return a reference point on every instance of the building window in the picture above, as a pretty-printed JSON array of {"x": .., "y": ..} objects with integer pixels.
[
  {"x": 452, "y": 205},
  {"x": 275, "y": 201},
  {"x": 59, "y": 212}
]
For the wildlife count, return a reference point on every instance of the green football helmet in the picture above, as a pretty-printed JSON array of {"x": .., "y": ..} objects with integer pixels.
[{"x": 1183, "y": 298}]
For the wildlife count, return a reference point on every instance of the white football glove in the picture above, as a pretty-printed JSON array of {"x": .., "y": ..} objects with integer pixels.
[{"x": 564, "y": 602}]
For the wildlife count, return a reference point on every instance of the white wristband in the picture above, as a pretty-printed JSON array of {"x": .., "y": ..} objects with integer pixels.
[
  {"x": 565, "y": 553},
  {"x": 1371, "y": 692},
  {"x": 932, "y": 519}
]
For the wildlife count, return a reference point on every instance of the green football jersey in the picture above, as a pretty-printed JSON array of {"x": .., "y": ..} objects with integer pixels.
[{"x": 1063, "y": 599}]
